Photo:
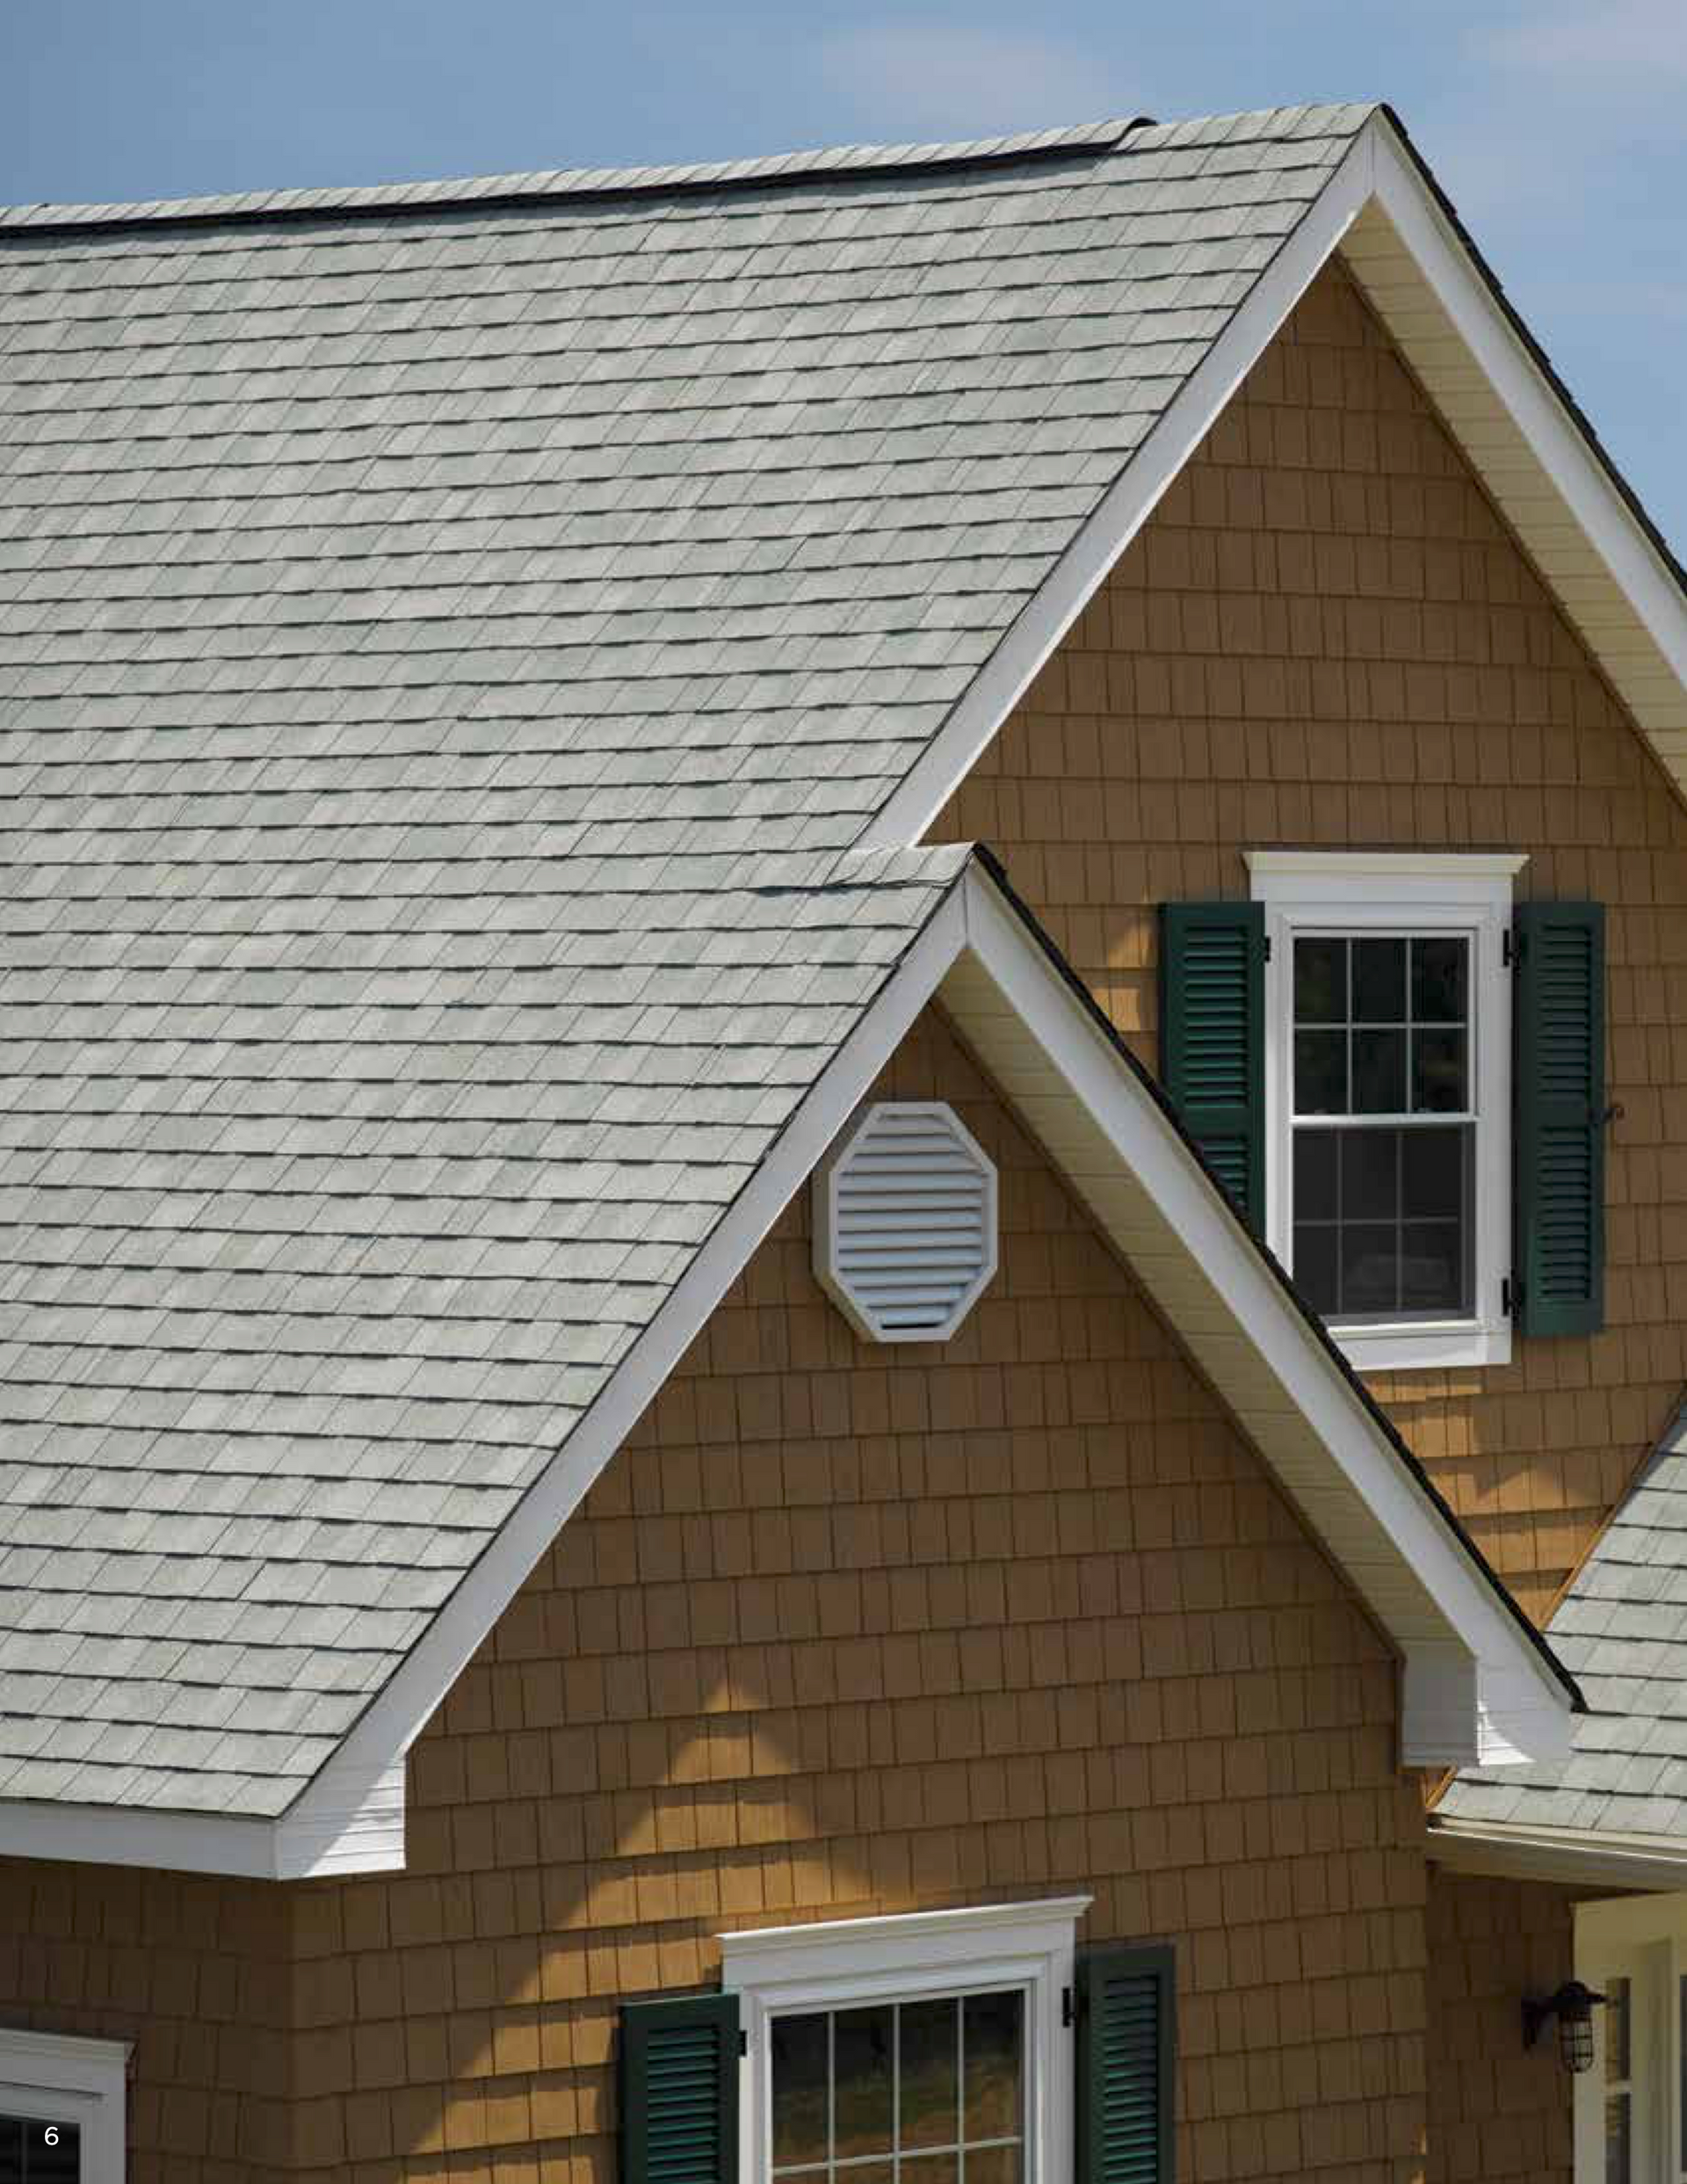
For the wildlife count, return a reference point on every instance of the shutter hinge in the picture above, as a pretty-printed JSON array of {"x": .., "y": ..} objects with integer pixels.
[
  {"x": 1511, "y": 1296},
  {"x": 743, "y": 2041},
  {"x": 1510, "y": 948},
  {"x": 1268, "y": 947},
  {"x": 1067, "y": 2015}
]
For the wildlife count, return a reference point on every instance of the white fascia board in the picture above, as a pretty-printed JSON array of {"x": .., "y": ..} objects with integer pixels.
[
  {"x": 131, "y": 1835},
  {"x": 1591, "y": 498},
  {"x": 1521, "y": 1709},
  {"x": 353, "y": 1822},
  {"x": 1575, "y": 1855},
  {"x": 1124, "y": 508}
]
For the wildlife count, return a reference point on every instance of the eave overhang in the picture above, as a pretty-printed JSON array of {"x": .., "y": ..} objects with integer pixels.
[{"x": 1577, "y": 1857}]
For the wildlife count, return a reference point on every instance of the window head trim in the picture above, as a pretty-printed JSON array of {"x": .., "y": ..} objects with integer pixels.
[
  {"x": 835, "y": 1963},
  {"x": 91, "y": 2077},
  {"x": 1457, "y": 869},
  {"x": 1360, "y": 890}
]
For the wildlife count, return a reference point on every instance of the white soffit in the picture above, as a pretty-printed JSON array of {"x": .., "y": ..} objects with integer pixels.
[{"x": 1526, "y": 447}]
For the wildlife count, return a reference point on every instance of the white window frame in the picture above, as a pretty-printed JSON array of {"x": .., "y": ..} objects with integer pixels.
[
  {"x": 55, "y": 2077},
  {"x": 1642, "y": 1939},
  {"x": 1386, "y": 892},
  {"x": 910, "y": 1957}
]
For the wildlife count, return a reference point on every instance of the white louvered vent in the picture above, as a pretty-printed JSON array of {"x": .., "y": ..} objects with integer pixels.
[{"x": 905, "y": 1223}]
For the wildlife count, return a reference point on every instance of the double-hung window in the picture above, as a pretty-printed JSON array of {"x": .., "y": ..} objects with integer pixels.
[
  {"x": 919, "y": 2050},
  {"x": 1387, "y": 1036},
  {"x": 1398, "y": 1077},
  {"x": 927, "y": 2090},
  {"x": 950, "y": 2047}
]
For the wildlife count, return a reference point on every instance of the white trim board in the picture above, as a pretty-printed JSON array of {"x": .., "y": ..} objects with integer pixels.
[
  {"x": 1526, "y": 447},
  {"x": 893, "y": 1942},
  {"x": 1470, "y": 898},
  {"x": 1577, "y": 1855},
  {"x": 1608, "y": 1919},
  {"x": 1475, "y": 1686},
  {"x": 838, "y": 1963},
  {"x": 59, "y": 2077}
]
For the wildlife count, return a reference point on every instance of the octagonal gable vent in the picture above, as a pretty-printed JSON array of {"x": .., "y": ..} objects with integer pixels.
[{"x": 905, "y": 1219}]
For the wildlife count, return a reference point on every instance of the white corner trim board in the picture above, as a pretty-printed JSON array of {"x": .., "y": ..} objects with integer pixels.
[
  {"x": 1486, "y": 1690},
  {"x": 57, "y": 2079},
  {"x": 842, "y": 1963}
]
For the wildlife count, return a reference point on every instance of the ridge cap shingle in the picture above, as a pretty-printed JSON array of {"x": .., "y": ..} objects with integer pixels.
[{"x": 841, "y": 162}]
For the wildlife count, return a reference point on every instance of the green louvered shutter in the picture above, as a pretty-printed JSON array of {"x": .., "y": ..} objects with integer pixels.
[
  {"x": 1559, "y": 1193},
  {"x": 679, "y": 2091},
  {"x": 1213, "y": 1038},
  {"x": 1126, "y": 2055}
]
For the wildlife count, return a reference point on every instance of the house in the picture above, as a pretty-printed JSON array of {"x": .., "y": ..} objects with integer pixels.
[{"x": 708, "y": 872}]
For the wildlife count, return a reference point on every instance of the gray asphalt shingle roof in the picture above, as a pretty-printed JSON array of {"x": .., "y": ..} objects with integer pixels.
[
  {"x": 1621, "y": 1630},
  {"x": 447, "y": 647}
]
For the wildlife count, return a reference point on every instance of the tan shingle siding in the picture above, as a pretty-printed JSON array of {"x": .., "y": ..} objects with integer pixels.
[
  {"x": 1496, "y": 2112},
  {"x": 193, "y": 1971},
  {"x": 1325, "y": 635},
  {"x": 848, "y": 1629}
]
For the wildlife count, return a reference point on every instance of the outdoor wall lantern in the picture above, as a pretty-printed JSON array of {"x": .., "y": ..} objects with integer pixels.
[{"x": 1572, "y": 2006}]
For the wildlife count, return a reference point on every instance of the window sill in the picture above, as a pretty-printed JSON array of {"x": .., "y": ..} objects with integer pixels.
[{"x": 1433, "y": 1346}]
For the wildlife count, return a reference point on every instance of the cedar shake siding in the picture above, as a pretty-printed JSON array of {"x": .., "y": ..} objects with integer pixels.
[
  {"x": 847, "y": 1628},
  {"x": 193, "y": 1971},
  {"x": 1325, "y": 635},
  {"x": 1497, "y": 2113}
]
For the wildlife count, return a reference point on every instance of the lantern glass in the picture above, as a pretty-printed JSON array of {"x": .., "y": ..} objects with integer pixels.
[{"x": 1576, "y": 2036}]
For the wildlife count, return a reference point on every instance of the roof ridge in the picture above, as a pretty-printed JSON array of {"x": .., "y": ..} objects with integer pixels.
[
  {"x": 834, "y": 163},
  {"x": 827, "y": 162}
]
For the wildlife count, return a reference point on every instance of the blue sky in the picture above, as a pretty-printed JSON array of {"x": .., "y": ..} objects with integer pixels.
[{"x": 1556, "y": 125}]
